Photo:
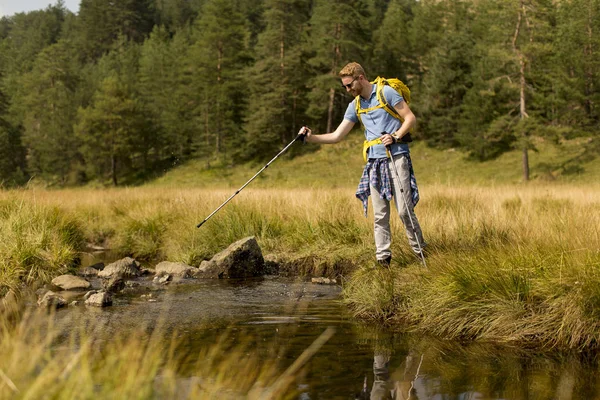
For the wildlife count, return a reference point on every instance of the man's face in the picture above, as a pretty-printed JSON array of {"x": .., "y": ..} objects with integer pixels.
[{"x": 352, "y": 85}]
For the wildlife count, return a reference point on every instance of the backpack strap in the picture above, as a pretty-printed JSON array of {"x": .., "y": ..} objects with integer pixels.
[{"x": 380, "y": 82}]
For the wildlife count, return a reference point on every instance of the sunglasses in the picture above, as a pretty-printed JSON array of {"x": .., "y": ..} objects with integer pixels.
[{"x": 349, "y": 85}]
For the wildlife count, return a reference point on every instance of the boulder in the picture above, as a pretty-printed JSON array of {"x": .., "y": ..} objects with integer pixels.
[
  {"x": 101, "y": 299},
  {"x": 126, "y": 268},
  {"x": 71, "y": 282},
  {"x": 52, "y": 300},
  {"x": 114, "y": 283},
  {"x": 179, "y": 270},
  {"x": 241, "y": 259}
]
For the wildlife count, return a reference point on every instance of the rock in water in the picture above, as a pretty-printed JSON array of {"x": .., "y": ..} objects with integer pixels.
[
  {"x": 126, "y": 268},
  {"x": 241, "y": 259},
  {"x": 71, "y": 282}
]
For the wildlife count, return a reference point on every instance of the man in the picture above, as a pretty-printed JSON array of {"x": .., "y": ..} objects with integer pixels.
[{"x": 382, "y": 125}]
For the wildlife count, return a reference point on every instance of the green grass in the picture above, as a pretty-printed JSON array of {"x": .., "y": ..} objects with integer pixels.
[
  {"x": 36, "y": 243},
  {"x": 340, "y": 166}
]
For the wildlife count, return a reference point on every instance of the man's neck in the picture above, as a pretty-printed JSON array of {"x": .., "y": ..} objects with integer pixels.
[{"x": 366, "y": 92}]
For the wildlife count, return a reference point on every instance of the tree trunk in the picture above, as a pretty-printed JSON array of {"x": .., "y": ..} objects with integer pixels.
[
  {"x": 336, "y": 57},
  {"x": 113, "y": 169},
  {"x": 525, "y": 164},
  {"x": 218, "y": 105},
  {"x": 522, "y": 86},
  {"x": 282, "y": 136},
  {"x": 589, "y": 52},
  {"x": 207, "y": 135}
]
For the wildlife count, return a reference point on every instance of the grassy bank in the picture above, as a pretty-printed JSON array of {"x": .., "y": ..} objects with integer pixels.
[{"x": 508, "y": 263}]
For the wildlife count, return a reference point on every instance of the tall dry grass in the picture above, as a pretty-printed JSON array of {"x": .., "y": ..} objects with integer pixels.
[
  {"x": 510, "y": 263},
  {"x": 42, "y": 360}
]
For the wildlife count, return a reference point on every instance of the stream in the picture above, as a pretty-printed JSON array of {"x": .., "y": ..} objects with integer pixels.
[{"x": 360, "y": 361}]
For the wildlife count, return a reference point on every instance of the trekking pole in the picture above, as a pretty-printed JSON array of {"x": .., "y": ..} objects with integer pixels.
[
  {"x": 412, "y": 224},
  {"x": 299, "y": 137}
]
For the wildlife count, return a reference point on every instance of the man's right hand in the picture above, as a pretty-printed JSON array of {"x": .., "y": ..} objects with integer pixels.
[{"x": 306, "y": 132}]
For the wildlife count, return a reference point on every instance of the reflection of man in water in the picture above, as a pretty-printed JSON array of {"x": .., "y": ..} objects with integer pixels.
[{"x": 384, "y": 388}]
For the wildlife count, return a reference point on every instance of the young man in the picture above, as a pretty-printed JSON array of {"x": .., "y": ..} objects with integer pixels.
[{"x": 380, "y": 124}]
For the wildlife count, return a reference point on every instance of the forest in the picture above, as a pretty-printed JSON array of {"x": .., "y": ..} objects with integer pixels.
[{"x": 122, "y": 91}]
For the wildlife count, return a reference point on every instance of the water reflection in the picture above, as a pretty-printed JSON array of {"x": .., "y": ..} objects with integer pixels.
[
  {"x": 416, "y": 367},
  {"x": 398, "y": 387}
]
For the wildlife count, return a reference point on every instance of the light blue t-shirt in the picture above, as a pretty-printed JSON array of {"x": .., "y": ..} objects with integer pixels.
[{"x": 378, "y": 121}]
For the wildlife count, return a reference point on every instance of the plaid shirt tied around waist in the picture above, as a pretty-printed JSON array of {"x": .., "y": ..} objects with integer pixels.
[{"x": 377, "y": 174}]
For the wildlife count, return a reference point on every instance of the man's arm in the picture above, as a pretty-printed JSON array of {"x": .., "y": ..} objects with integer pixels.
[
  {"x": 409, "y": 121},
  {"x": 407, "y": 115},
  {"x": 342, "y": 130}
]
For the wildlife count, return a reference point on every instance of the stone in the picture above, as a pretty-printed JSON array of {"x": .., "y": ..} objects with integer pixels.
[
  {"x": 52, "y": 300},
  {"x": 87, "y": 271},
  {"x": 99, "y": 266},
  {"x": 126, "y": 268},
  {"x": 100, "y": 299},
  {"x": 179, "y": 269},
  {"x": 324, "y": 281},
  {"x": 241, "y": 259},
  {"x": 115, "y": 283},
  {"x": 162, "y": 279},
  {"x": 71, "y": 282},
  {"x": 88, "y": 294}
]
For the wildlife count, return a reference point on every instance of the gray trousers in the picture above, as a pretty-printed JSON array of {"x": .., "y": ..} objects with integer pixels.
[{"x": 382, "y": 210}]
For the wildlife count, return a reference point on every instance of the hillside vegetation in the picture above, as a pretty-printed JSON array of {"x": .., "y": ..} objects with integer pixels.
[{"x": 340, "y": 165}]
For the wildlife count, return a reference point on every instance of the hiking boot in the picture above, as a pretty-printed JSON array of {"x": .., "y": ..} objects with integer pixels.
[{"x": 385, "y": 262}]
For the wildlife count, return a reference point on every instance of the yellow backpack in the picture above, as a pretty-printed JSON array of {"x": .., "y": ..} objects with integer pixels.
[{"x": 396, "y": 84}]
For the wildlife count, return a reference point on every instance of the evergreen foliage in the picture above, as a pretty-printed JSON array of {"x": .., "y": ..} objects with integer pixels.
[
  {"x": 123, "y": 91},
  {"x": 12, "y": 155},
  {"x": 276, "y": 93}
]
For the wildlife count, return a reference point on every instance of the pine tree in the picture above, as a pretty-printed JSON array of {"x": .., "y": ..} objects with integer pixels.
[
  {"x": 12, "y": 154},
  {"x": 162, "y": 85},
  {"x": 449, "y": 74},
  {"x": 339, "y": 34},
  {"x": 217, "y": 62},
  {"x": 173, "y": 14},
  {"x": 109, "y": 131},
  {"x": 276, "y": 88},
  {"x": 47, "y": 108},
  {"x": 394, "y": 54},
  {"x": 515, "y": 44},
  {"x": 25, "y": 36},
  {"x": 578, "y": 41},
  {"x": 101, "y": 22}
]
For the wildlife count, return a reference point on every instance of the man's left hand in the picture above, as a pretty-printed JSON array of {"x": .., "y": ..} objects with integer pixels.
[{"x": 387, "y": 139}]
